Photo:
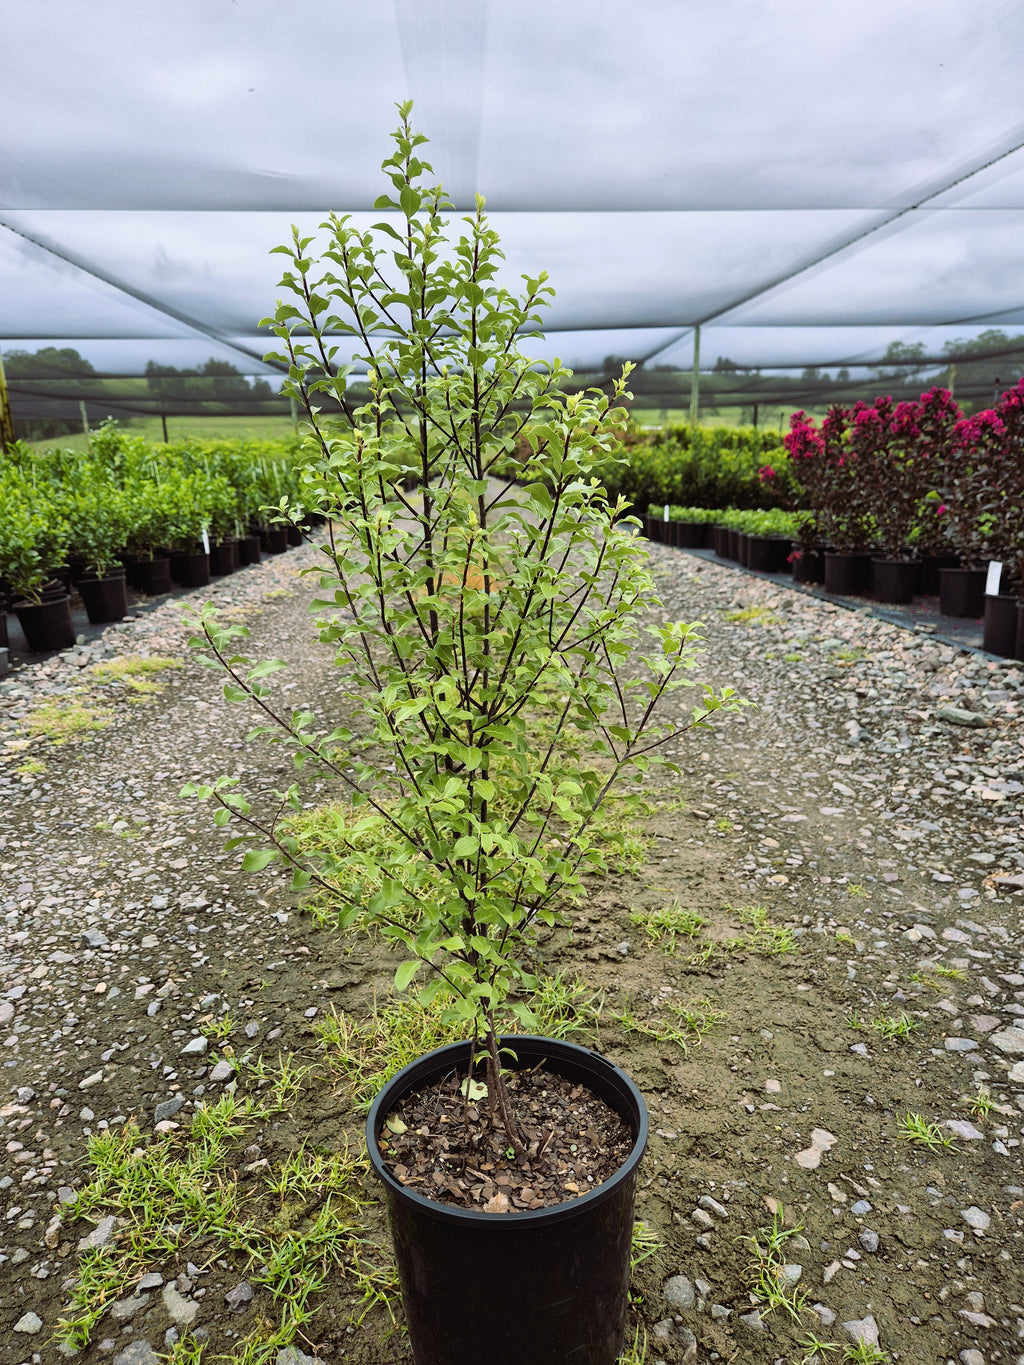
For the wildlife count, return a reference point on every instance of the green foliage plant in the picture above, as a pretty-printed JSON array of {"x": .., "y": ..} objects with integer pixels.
[{"x": 451, "y": 599}]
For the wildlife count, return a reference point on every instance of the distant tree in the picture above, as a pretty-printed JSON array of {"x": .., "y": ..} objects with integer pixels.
[
  {"x": 58, "y": 376},
  {"x": 898, "y": 361},
  {"x": 217, "y": 381}
]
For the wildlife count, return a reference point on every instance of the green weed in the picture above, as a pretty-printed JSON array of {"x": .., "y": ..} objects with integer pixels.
[
  {"x": 766, "y": 1271},
  {"x": 135, "y": 673},
  {"x": 30, "y": 768},
  {"x": 62, "y": 721},
  {"x": 694, "y": 1020},
  {"x": 301, "y": 1221},
  {"x": 914, "y": 1128},
  {"x": 762, "y": 936},
  {"x": 892, "y": 1027},
  {"x": 981, "y": 1104},
  {"x": 952, "y": 973},
  {"x": 636, "y": 1354},
  {"x": 645, "y": 1242},
  {"x": 669, "y": 923},
  {"x": 749, "y": 616}
]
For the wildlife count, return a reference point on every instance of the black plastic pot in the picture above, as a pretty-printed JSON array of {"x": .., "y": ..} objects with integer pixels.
[
  {"x": 894, "y": 580},
  {"x": 274, "y": 540},
  {"x": 223, "y": 558},
  {"x": 767, "y": 554},
  {"x": 690, "y": 535},
  {"x": 962, "y": 592},
  {"x": 561, "y": 1272},
  {"x": 1018, "y": 652},
  {"x": 47, "y": 624},
  {"x": 248, "y": 550},
  {"x": 808, "y": 565},
  {"x": 191, "y": 570},
  {"x": 930, "y": 566},
  {"x": 652, "y": 528},
  {"x": 720, "y": 538},
  {"x": 153, "y": 576},
  {"x": 295, "y": 536},
  {"x": 105, "y": 599},
  {"x": 847, "y": 575},
  {"x": 1000, "y": 624}
]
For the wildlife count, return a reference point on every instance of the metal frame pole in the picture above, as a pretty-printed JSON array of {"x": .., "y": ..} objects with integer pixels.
[{"x": 695, "y": 379}]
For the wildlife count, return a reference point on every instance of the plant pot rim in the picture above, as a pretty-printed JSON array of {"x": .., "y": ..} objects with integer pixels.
[
  {"x": 444, "y": 1059},
  {"x": 20, "y": 603}
]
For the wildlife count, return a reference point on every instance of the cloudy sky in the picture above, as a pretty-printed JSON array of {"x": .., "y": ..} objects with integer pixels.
[{"x": 808, "y": 181}]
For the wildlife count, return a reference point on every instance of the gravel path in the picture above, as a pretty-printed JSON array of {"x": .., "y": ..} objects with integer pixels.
[{"x": 874, "y": 798}]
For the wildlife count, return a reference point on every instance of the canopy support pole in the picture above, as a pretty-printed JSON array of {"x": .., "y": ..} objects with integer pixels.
[
  {"x": 695, "y": 379},
  {"x": 6, "y": 418}
]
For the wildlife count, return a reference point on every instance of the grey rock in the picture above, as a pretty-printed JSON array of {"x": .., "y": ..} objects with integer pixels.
[
  {"x": 138, "y": 1353},
  {"x": 239, "y": 1298},
  {"x": 95, "y": 1079},
  {"x": 100, "y": 1235},
  {"x": 976, "y": 1218},
  {"x": 825, "y": 1314},
  {"x": 862, "y": 1330},
  {"x": 95, "y": 938},
  {"x": 167, "y": 1109},
  {"x": 704, "y": 1220},
  {"x": 6, "y": 1011},
  {"x": 29, "y": 1323},
  {"x": 25, "y": 1094},
  {"x": 1010, "y": 1041},
  {"x": 956, "y": 715},
  {"x": 153, "y": 1280},
  {"x": 679, "y": 1294},
  {"x": 688, "y": 1342},
  {"x": 719, "y": 1310},
  {"x": 971, "y": 1357},
  {"x": 861, "y": 1207},
  {"x": 159, "y": 903},
  {"x": 181, "y": 1311},
  {"x": 196, "y": 1047},
  {"x": 869, "y": 1240},
  {"x": 752, "y": 1320},
  {"x": 291, "y": 1355},
  {"x": 223, "y": 1071},
  {"x": 713, "y": 1206},
  {"x": 961, "y": 1045},
  {"x": 124, "y": 1309},
  {"x": 964, "y": 1130},
  {"x": 791, "y": 1274}
]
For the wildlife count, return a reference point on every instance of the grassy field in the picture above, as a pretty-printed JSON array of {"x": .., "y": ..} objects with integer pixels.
[{"x": 178, "y": 428}]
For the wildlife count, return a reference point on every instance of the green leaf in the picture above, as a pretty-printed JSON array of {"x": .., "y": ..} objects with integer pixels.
[
  {"x": 405, "y": 973},
  {"x": 258, "y": 858}
]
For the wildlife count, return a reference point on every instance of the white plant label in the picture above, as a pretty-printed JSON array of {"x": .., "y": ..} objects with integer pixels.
[
  {"x": 995, "y": 572},
  {"x": 206, "y": 542},
  {"x": 666, "y": 511}
]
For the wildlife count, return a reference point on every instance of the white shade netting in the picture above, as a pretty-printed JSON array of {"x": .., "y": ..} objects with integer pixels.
[{"x": 808, "y": 183}]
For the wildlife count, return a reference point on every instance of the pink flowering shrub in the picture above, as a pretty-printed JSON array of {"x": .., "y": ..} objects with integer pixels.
[{"x": 972, "y": 489}]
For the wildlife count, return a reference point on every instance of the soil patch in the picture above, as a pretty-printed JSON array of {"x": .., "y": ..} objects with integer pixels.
[{"x": 453, "y": 1151}]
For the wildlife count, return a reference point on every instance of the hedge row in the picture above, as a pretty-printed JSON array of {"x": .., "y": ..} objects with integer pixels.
[
  {"x": 126, "y": 497},
  {"x": 713, "y": 468}
]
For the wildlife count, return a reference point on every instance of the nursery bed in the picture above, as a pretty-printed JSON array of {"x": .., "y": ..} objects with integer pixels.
[{"x": 855, "y": 858}]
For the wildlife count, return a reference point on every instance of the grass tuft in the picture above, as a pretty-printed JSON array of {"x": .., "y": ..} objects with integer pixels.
[
  {"x": 668, "y": 923},
  {"x": 64, "y": 720},
  {"x": 914, "y": 1128}
]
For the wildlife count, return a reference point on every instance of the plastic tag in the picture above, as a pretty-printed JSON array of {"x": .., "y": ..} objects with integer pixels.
[
  {"x": 995, "y": 572},
  {"x": 666, "y": 511},
  {"x": 206, "y": 542}
]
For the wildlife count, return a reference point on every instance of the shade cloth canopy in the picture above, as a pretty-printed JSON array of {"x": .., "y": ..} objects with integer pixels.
[{"x": 809, "y": 182}]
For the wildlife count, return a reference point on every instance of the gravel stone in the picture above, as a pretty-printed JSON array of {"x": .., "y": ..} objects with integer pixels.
[{"x": 679, "y": 1294}]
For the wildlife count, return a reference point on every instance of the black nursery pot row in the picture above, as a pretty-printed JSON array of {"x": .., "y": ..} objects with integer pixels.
[{"x": 47, "y": 625}]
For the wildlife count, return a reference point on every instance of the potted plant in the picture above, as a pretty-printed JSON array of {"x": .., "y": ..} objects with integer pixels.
[
  {"x": 973, "y": 495},
  {"x": 99, "y": 517},
  {"x": 34, "y": 538},
  {"x": 448, "y": 609},
  {"x": 805, "y": 446}
]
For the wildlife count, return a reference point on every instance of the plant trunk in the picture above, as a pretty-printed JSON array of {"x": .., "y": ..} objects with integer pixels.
[{"x": 497, "y": 1090}]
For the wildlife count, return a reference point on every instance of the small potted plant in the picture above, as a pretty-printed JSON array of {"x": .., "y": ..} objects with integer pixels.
[
  {"x": 99, "y": 515},
  {"x": 34, "y": 539},
  {"x": 448, "y": 609}
]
